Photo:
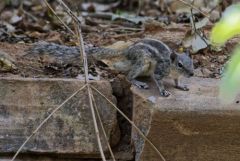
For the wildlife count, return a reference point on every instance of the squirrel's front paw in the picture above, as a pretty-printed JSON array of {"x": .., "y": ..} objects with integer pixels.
[
  {"x": 164, "y": 93},
  {"x": 184, "y": 88}
]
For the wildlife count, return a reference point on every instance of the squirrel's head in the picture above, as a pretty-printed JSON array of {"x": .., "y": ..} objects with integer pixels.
[{"x": 182, "y": 63}]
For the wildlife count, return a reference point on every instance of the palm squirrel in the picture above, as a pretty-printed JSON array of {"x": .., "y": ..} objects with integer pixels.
[{"x": 147, "y": 57}]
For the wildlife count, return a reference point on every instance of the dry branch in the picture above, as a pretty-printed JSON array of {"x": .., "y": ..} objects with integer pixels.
[
  {"x": 83, "y": 54},
  {"x": 103, "y": 130},
  {"x": 49, "y": 6},
  {"x": 69, "y": 12},
  {"x": 195, "y": 30}
]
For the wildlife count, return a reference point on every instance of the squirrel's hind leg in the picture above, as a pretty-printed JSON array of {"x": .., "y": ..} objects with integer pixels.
[{"x": 133, "y": 74}]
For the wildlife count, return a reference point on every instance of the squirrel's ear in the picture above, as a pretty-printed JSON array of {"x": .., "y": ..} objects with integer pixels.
[{"x": 173, "y": 56}]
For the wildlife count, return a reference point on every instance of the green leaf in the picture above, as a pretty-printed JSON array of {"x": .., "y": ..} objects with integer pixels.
[
  {"x": 228, "y": 26},
  {"x": 229, "y": 86}
]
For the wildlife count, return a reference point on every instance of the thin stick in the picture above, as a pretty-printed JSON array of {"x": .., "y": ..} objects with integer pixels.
[
  {"x": 140, "y": 4},
  {"x": 194, "y": 7},
  {"x": 44, "y": 121},
  {"x": 49, "y": 6},
  {"x": 67, "y": 9},
  {"x": 213, "y": 9},
  {"x": 195, "y": 29},
  {"x": 103, "y": 130},
  {"x": 30, "y": 15},
  {"x": 78, "y": 39},
  {"x": 131, "y": 122},
  {"x": 95, "y": 123},
  {"x": 82, "y": 52}
]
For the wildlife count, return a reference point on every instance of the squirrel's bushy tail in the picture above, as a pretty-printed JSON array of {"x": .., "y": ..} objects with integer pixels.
[
  {"x": 69, "y": 52},
  {"x": 102, "y": 53},
  {"x": 52, "y": 49}
]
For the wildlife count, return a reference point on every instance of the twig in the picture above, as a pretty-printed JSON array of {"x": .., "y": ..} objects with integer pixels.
[
  {"x": 131, "y": 122},
  {"x": 67, "y": 9},
  {"x": 82, "y": 52},
  {"x": 21, "y": 9},
  {"x": 49, "y": 6},
  {"x": 209, "y": 12},
  {"x": 194, "y": 7},
  {"x": 103, "y": 130},
  {"x": 44, "y": 121},
  {"x": 128, "y": 35},
  {"x": 30, "y": 15},
  {"x": 195, "y": 29},
  {"x": 95, "y": 123},
  {"x": 127, "y": 28},
  {"x": 140, "y": 4}
]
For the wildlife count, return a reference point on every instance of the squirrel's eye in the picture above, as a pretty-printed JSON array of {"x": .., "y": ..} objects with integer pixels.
[{"x": 180, "y": 64}]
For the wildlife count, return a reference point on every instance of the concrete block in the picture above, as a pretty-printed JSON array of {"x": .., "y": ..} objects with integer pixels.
[
  {"x": 187, "y": 126},
  {"x": 25, "y": 103}
]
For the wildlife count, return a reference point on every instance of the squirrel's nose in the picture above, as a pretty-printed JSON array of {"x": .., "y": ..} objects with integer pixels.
[{"x": 191, "y": 74}]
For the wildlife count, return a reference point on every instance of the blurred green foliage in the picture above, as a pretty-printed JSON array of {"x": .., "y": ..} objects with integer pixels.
[{"x": 226, "y": 28}]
